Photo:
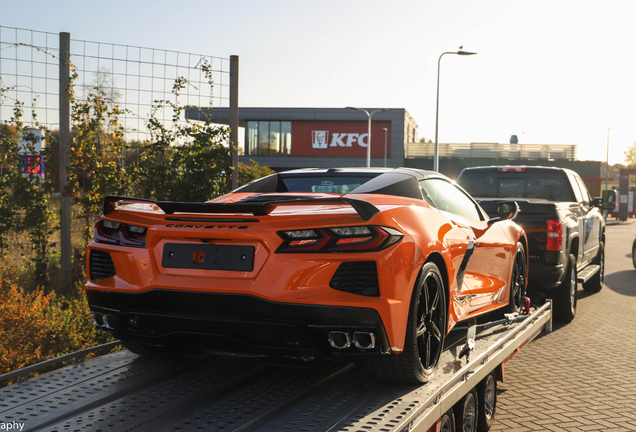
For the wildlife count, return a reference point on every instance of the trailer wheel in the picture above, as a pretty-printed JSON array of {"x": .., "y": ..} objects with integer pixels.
[
  {"x": 517, "y": 282},
  {"x": 565, "y": 301},
  {"x": 425, "y": 333},
  {"x": 466, "y": 412},
  {"x": 487, "y": 402},
  {"x": 447, "y": 422},
  {"x": 595, "y": 284}
]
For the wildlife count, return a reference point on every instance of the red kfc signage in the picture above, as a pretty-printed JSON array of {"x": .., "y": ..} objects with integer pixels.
[{"x": 340, "y": 138}]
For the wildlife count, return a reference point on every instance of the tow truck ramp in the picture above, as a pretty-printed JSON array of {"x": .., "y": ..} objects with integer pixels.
[{"x": 124, "y": 392}]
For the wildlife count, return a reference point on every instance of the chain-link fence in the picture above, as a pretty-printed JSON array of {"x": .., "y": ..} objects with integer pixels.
[{"x": 131, "y": 77}]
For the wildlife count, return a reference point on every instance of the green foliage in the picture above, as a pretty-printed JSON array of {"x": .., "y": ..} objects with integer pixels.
[
  {"x": 24, "y": 196},
  {"x": 630, "y": 157},
  {"x": 186, "y": 161},
  {"x": 38, "y": 326},
  {"x": 97, "y": 148},
  {"x": 253, "y": 171}
]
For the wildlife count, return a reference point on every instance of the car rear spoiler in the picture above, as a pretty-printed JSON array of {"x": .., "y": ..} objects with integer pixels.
[{"x": 365, "y": 209}]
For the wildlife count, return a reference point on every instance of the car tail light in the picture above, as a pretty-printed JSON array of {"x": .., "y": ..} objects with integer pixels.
[
  {"x": 554, "y": 235},
  {"x": 340, "y": 239},
  {"x": 107, "y": 231}
]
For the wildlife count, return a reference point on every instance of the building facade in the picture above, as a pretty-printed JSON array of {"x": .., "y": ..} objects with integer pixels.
[{"x": 287, "y": 138}]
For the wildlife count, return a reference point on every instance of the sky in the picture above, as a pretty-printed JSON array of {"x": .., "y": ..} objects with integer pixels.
[{"x": 550, "y": 72}]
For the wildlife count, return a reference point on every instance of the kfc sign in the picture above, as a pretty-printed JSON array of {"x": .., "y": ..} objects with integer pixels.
[
  {"x": 319, "y": 139},
  {"x": 339, "y": 138}
]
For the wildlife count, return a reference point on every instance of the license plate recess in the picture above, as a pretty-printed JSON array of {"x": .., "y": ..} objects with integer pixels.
[{"x": 208, "y": 257}]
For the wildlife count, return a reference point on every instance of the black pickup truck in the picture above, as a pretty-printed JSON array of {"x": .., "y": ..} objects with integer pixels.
[{"x": 564, "y": 225}]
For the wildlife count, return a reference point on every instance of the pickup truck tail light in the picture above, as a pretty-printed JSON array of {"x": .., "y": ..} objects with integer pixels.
[{"x": 554, "y": 235}]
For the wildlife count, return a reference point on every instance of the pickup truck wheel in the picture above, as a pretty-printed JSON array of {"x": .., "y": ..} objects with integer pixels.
[
  {"x": 425, "y": 333},
  {"x": 486, "y": 402},
  {"x": 517, "y": 282},
  {"x": 466, "y": 412},
  {"x": 595, "y": 283},
  {"x": 565, "y": 298}
]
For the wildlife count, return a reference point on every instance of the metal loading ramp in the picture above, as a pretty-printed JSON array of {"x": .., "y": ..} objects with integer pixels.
[{"x": 125, "y": 392}]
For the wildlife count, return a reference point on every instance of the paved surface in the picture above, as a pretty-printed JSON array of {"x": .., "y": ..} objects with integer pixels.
[{"x": 582, "y": 376}]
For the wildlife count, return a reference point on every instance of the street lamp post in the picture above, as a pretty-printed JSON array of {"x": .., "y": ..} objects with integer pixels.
[
  {"x": 461, "y": 53},
  {"x": 369, "y": 114},
  {"x": 385, "y": 131},
  {"x": 607, "y": 160}
]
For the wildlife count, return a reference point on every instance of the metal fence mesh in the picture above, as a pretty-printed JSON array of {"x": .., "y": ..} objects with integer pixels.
[{"x": 131, "y": 77}]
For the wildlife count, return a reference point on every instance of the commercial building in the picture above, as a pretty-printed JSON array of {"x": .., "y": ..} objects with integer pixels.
[{"x": 288, "y": 138}]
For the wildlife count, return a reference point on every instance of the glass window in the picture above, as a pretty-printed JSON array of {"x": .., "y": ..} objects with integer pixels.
[
  {"x": 252, "y": 138},
  {"x": 266, "y": 138},
  {"x": 587, "y": 199},
  {"x": 447, "y": 197},
  {"x": 531, "y": 184},
  {"x": 326, "y": 184},
  {"x": 285, "y": 138},
  {"x": 263, "y": 139}
]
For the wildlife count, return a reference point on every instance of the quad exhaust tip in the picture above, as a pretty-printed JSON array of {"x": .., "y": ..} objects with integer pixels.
[
  {"x": 342, "y": 340},
  {"x": 101, "y": 320}
]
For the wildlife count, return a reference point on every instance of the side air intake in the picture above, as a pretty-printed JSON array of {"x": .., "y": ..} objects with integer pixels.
[
  {"x": 357, "y": 277},
  {"x": 101, "y": 265}
]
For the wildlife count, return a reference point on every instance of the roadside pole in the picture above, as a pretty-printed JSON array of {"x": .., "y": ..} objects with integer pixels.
[{"x": 65, "y": 146}]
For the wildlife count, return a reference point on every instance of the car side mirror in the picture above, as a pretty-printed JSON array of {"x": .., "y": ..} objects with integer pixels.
[
  {"x": 506, "y": 210},
  {"x": 608, "y": 200}
]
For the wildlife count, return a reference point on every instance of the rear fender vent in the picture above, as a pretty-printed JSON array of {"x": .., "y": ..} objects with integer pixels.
[
  {"x": 357, "y": 277},
  {"x": 101, "y": 265}
]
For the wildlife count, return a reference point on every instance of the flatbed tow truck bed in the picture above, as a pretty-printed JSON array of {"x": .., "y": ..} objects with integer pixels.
[{"x": 124, "y": 392}]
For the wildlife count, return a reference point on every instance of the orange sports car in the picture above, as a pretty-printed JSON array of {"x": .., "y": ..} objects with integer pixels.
[{"x": 352, "y": 263}]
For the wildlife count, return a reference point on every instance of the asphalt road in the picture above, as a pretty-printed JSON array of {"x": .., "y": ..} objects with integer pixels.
[{"x": 582, "y": 376}]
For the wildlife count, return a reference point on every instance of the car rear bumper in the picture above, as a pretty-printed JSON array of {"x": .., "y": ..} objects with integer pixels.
[
  {"x": 234, "y": 323},
  {"x": 545, "y": 276}
]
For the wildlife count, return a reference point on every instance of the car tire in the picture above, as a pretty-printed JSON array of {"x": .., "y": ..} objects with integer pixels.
[
  {"x": 425, "y": 333},
  {"x": 566, "y": 293},
  {"x": 595, "y": 283},
  {"x": 466, "y": 412},
  {"x": 634, "y": 254},
  {"x": 518, "y": 279},
  {"x": 486, "y": 402},
  {"x": 447, "y": 422}
]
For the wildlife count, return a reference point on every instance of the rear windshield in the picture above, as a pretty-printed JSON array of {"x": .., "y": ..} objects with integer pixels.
[
  {"x": 548, "y": 185},
  {"x": 324, "y": 184}
]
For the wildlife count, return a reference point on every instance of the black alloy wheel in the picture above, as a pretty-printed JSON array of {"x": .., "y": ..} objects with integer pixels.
[
  {"x": 518, "y": 282},
  {"x": 430, "y": 320},
  {"x": 425, "y": 333}
]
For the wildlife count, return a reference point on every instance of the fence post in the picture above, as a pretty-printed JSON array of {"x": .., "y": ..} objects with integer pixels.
[
  {"x": 234, "y": 116},
  {"x": 65, "y": 147}
]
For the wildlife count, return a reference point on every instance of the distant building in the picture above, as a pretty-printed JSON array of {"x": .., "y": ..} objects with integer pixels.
[{"x": 288, "y": 138}]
